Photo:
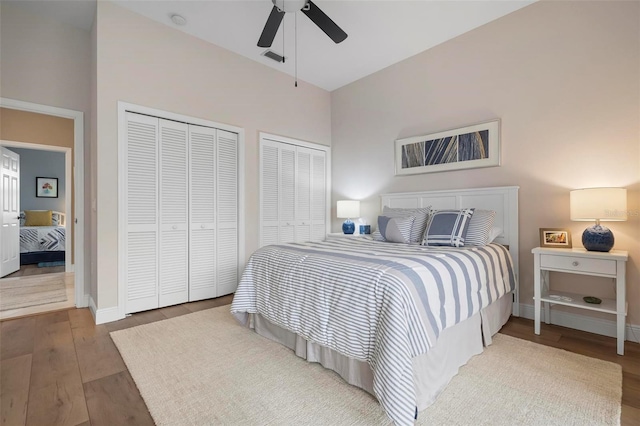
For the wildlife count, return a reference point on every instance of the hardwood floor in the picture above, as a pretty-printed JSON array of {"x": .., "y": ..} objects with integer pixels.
[
  {"x": 28, "y": 270},
  {"x": 62, "y": 369},
  {"x": 69, "y": 279}
]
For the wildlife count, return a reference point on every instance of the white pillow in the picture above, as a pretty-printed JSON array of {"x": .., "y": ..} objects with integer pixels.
[
  {"x": 421, "y": 215},
  {"x": 495, "y": 233},
  {"x": 480, "y": 228}
]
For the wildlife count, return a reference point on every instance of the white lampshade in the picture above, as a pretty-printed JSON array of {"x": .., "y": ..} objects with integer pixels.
[
  {"x": 605, "y": 204},
  {"x": 348, "y": 209}
]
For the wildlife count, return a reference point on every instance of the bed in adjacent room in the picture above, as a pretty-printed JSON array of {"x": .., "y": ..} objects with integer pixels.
[
  {"x": 42, "y": 236},
  {"x": 396, "y": 317}
]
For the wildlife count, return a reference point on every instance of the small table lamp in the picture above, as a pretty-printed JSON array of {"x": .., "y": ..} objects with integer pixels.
[
  {"x": 606, "y": 204},
  {"x": 348, "y": 209}
]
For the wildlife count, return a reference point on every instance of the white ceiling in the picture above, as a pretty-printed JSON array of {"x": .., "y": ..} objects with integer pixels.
[{"x": 380, "y": 33}]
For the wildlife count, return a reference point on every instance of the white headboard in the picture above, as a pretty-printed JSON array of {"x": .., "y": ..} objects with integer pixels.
[{"x": 503, "y": 200}]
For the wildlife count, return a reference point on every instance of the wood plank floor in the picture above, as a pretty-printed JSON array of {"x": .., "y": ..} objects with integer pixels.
[
  {"x": 62, "y": 369},
  {"x": 28, "y": 270}
]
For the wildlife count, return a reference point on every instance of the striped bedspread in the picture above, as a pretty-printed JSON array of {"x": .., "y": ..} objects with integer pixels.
[{"x": 378, "y": 302}]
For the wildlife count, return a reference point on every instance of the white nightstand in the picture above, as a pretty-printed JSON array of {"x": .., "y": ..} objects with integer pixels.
[
  {"x": 579, "y": 261},
  {"x": 343, "y": 235}
]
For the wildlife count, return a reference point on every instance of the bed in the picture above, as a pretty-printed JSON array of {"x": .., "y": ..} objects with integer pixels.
[
  {"x": 44, "y": 242},
  {"x": 362, "y": 308}
]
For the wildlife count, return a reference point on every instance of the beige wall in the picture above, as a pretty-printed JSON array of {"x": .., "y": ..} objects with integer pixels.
[
  {"x": 564, "y": 79},
  {"x": 146, "y": 63},
  {"x": 47, "y": 63}
]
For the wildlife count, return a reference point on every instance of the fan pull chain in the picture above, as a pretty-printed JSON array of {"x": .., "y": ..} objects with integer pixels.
[
  {"x": 296, "y": 46},
  {"x": 283, "y": 58}
]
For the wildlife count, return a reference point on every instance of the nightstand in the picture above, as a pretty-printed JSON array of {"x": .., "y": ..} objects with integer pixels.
[
  {"x": 343, "y": 235},
  {"x": 580, "y": 261}
]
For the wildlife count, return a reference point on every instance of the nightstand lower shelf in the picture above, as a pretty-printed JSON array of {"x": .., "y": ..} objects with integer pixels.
[{"x": 607, "y": 306}]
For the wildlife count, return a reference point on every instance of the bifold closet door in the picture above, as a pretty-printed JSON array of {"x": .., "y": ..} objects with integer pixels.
[
  {"x": 173, "y": 187},
  {"x": 202, "y": 262},
  {"x": 318, "y": 195},
  {"x": 142, "y": 237},
  {"x": 227, "y": 209},
  {"x": 303, "y": 203},
  {"x": 269, "y": 192},
  {"x": 287, "y": 207}
]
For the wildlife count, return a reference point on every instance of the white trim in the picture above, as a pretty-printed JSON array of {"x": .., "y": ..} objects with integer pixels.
[
  {"x": 586, "y": 323},
  {"x": 102, "y": 316},
  {"x": 123, "y": 107},
  {"x": 297, "y": 142},
  {"x": 78, "y": 190}
]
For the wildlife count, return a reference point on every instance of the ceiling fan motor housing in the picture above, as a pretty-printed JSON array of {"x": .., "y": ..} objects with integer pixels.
[{"x": 290, "y": 5}]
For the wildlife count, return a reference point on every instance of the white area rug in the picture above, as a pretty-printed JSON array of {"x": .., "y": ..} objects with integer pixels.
[
  {"x": 30, "y": 291},
  {"x": 204, "y": 368}
]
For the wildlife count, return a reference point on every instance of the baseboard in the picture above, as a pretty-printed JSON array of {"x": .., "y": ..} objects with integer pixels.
[
  {"x": 600, "y": 326},
  {"x": 102, "y": 316}
]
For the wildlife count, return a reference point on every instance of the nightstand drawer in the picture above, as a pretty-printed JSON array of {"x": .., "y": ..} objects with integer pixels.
[{"x": 578, "y": 264}]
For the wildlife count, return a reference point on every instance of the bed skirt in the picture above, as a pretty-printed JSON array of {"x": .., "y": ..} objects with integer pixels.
[
  {"x": 432, "y": 371},
  {"x": 41, "y": 256}
]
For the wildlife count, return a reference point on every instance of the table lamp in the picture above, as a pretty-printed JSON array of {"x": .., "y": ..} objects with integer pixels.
[
  {"x": 599, "y": 204},
  {"x": 348, "y": 209}
]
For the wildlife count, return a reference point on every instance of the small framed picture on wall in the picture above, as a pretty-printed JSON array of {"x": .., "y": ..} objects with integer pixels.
[
  {"x": 555, "y": 237},
  {"x": 46, "y": 187}
]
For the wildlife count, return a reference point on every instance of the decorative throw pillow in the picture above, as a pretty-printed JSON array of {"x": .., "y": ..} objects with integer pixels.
[
  {"x": 55, "y": 219},
  {"x": 447, "y": 228},
  {"x": 377, "y": 236},
  {"x": 22, "y": 218},
  {"x": 480, "y": 228},
  {"x": 421, "y": 215},
  {"x": 395, "y": 230},
  {"x": 37, "y": 218}
]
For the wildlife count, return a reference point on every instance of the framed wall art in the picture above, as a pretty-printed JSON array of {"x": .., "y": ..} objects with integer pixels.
[
  {"x": 46, "y": 187},
  {"x": 468, "y": 147},
  {"x": 555, "y": 237}
]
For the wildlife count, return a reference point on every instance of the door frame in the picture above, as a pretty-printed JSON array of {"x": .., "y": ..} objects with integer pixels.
[{"x": 81, "y": 295}]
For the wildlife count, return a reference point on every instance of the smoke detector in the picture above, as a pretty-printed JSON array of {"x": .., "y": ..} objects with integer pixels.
[{"x": 178, "y": 19}]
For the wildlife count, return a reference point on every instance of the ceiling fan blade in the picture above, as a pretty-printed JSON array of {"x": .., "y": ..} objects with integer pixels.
[
  {"x": 271, "y": 28},
  {"x": 324, "y": 23}
]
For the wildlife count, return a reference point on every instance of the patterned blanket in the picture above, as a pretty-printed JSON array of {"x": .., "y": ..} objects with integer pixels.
[
  {"x": 42, "y": 238},
  {"x": 378, "y": 302}
]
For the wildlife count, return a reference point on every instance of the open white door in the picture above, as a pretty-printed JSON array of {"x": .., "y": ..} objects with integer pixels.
[{"x": 10, "y": 208}]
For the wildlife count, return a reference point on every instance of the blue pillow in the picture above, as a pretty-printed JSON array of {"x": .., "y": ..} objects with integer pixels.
[
  {"x": 397, "y": 229},
  {"x": 447, "y": 228}
]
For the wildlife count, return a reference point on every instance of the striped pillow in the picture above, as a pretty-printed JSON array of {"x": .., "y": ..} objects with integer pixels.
[
  {"x": 421, "y": 215},
  {"x": 447, "y": 228},
  {"x": 480, "y": 227},
  {"x": 397, "y": 229}
]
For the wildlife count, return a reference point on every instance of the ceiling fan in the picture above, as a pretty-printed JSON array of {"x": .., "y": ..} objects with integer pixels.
[{"x": 313, "y": 12}]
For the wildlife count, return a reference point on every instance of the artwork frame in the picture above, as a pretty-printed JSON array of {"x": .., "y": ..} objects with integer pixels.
[
  {"x": 46, "y": 187},
  {"x": 473, "y": 146},
  {"x": 555, "y": 238}
]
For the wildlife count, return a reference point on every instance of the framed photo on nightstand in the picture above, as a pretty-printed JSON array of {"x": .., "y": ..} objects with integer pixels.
[{"x": 555, "y": 237}]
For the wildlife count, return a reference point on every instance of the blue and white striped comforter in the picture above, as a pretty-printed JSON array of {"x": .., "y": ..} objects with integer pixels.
[{"x": 378, "y": 302}]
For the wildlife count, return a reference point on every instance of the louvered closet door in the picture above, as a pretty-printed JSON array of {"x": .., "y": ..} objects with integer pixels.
[
  {"x": 318, "y": 195},
  {"x": 227, "y": 220},
  {"x": 303, "y": 194},
  {"x": 287, "y": 208},
  {"x": 202, "y": 261},
  {"x": 141, "y": 216},
  {"x": 269, "y": 192},
  {"x": 173, "y": 193}
]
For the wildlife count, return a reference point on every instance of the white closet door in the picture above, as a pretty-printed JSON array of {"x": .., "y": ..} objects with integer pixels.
[
  {"x": 141, "y": 215},
  {"x": 269, "y": 192},
  {"x": 202, "y": 260},
  {"x": 227, "y": 220},
  {"x": 303, "y": 194},
  {"x": 318, "y": 195},
  {"x": 287, "y": 208},
  {"x": 173, "y": 194}
]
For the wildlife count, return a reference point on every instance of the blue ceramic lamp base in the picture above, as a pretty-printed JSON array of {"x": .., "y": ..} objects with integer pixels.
[
  {"x": 597, "y": 238},
  {"x": 348, "y": 227}
]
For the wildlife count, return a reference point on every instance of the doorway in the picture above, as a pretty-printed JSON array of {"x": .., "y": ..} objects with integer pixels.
[{"x": 73, "y": 270}]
